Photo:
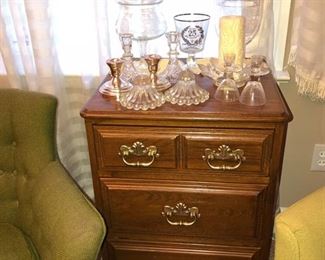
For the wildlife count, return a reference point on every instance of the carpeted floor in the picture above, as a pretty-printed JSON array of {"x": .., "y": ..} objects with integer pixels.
[{"x": 272, "y": 250}]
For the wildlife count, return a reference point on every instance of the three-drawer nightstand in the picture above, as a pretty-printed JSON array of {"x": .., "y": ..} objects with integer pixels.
[{"x": 188, "y": 182}]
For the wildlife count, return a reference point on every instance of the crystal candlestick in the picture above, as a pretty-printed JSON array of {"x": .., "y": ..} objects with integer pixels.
[
  {"x": 128, "y": 69},
  {"x": 115, "y": 86},
  {"x": 186, "y": 91},
  {"x": 144, "y": 94},
  {"x": 173, "y": 70}
]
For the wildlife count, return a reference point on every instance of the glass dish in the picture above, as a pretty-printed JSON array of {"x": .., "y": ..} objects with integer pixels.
[{"x": 215, "y": 70}]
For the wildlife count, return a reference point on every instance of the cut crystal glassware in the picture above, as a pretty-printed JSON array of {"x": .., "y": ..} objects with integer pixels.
[
  {"x": 128, "y": 69},
  {"x": 173, "y": 70},
  {"x": 142, "y": 18},
  {"x": 259, "y": 66},
  {"x": 227, "y": 91},
  {"x": 193, "y": 30},
  {"x": 144, "y": 94},
  {"x": 214, "y": 69},
  {"x": 253, "y": 94},
  {"x": 186, "y": 91}
]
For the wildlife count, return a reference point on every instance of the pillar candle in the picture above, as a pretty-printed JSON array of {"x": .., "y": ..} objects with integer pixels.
[{"x": 232, "y": 38}]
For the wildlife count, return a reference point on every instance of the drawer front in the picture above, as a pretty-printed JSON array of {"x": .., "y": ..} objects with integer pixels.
[
  {"x": 224, "y": 212},
  {"x": 136, "y": 148},
  {"x": 229, "y": 151},
  {"x": 129, "y": 251}
]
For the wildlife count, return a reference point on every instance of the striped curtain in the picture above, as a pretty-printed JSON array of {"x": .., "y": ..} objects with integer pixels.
[
  {"x": 28, "y": 50},
  {"x": 307, "y": 54}
]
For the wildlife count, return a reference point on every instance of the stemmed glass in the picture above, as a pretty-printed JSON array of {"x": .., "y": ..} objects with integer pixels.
[
  {"x": 253, "y": 94},
  {"x": 192, "y": 28},
  {"x": 227, "y": 91}
]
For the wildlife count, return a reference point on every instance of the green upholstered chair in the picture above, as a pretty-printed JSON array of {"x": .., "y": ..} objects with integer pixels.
[{"x": 43, "y": 213}]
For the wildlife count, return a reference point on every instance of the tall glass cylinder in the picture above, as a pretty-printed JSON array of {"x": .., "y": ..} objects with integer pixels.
[{"x": 142, "y": 18}]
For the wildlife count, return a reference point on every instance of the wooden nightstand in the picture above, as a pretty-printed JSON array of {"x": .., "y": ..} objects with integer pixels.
[{"x": 188, "y": 183}]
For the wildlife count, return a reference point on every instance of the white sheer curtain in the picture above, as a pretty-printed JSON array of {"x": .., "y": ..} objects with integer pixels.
[
  {"x": 308, "y": 48},
  {"x": 29, "y": 48},
  {"x": 43, "y": 43}
]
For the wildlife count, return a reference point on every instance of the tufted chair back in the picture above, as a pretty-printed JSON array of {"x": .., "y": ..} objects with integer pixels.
[
  {"x": 26, "y": 146},
  {"x": 38, "y": 199}
]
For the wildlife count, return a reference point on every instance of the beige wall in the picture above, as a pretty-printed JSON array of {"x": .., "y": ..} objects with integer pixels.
[{"x": 306, "y": 129}]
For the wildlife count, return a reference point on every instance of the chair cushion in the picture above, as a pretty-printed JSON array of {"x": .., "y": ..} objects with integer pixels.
[{"x": 14, "y": 245}]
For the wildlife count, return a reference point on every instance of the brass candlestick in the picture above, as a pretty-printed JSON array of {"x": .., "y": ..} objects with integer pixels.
[
  {"x": 159, "y": 84},
  {"x": 115, "y": 86}
]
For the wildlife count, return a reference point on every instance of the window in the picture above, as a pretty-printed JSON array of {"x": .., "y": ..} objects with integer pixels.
[{"x": 75, "y": 31}]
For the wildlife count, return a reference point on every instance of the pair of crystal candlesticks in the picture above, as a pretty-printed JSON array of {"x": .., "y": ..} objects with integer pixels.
[{"x": 142, "y": 87}]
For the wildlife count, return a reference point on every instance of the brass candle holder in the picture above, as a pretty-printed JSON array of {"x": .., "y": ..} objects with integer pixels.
[
  {"x": 160, "y": 84},
  {"x": 115, "y": 86}
]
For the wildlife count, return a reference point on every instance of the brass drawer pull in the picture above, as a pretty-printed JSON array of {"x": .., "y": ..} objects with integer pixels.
[
  {"x": 224, "y": 153},
  {"x": 138, "y": 149},
  {"x": 181, "y": 210}
]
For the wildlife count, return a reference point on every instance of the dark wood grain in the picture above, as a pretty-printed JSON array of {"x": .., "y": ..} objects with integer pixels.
[{"x": 236, "y": 207}]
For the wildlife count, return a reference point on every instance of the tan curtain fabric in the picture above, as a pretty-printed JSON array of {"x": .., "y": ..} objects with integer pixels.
[{"x": 307, "y": 53}]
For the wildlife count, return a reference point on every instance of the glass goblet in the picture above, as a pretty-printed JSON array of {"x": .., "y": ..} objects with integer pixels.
[
  {"x": 227, "y": 91},
  {"x": 193, "y": 29},
  {"x": 253, "y": 94}
]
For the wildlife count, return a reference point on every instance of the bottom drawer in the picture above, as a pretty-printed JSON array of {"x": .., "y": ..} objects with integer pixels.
[{"x": 126, "y": 251}]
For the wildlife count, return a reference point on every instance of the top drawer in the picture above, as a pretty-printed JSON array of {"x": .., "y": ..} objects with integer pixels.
[
  {"x": 229, "y": 150},
  {"x": 137, "y": 147}
]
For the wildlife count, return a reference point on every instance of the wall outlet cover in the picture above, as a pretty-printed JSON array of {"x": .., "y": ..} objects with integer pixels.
[{"x": 318, "y": 159}]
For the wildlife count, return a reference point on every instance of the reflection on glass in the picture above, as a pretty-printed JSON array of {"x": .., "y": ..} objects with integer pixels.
[
  {"x": 143, "y": 19},
  {"x": 251, "y": 9}
]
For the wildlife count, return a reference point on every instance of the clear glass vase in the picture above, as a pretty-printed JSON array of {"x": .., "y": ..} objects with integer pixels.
[{"x": 142, "y": 18}]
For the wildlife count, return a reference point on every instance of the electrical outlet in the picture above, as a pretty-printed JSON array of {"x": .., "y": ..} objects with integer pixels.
[{"x": 318, "y": 160}]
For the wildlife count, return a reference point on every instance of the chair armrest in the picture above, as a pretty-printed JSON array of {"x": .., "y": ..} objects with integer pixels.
[{"x": 64, "y": 224}]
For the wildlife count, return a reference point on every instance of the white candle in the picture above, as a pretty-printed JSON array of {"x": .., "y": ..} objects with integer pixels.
[{"x": 232, "y": 38}]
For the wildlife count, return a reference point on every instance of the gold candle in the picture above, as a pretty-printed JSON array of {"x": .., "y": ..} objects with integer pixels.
[{"x": 232, "y": 38}]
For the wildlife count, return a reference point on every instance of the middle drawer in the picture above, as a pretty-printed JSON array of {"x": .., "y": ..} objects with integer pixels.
[{"x": 227, "y": 211}]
